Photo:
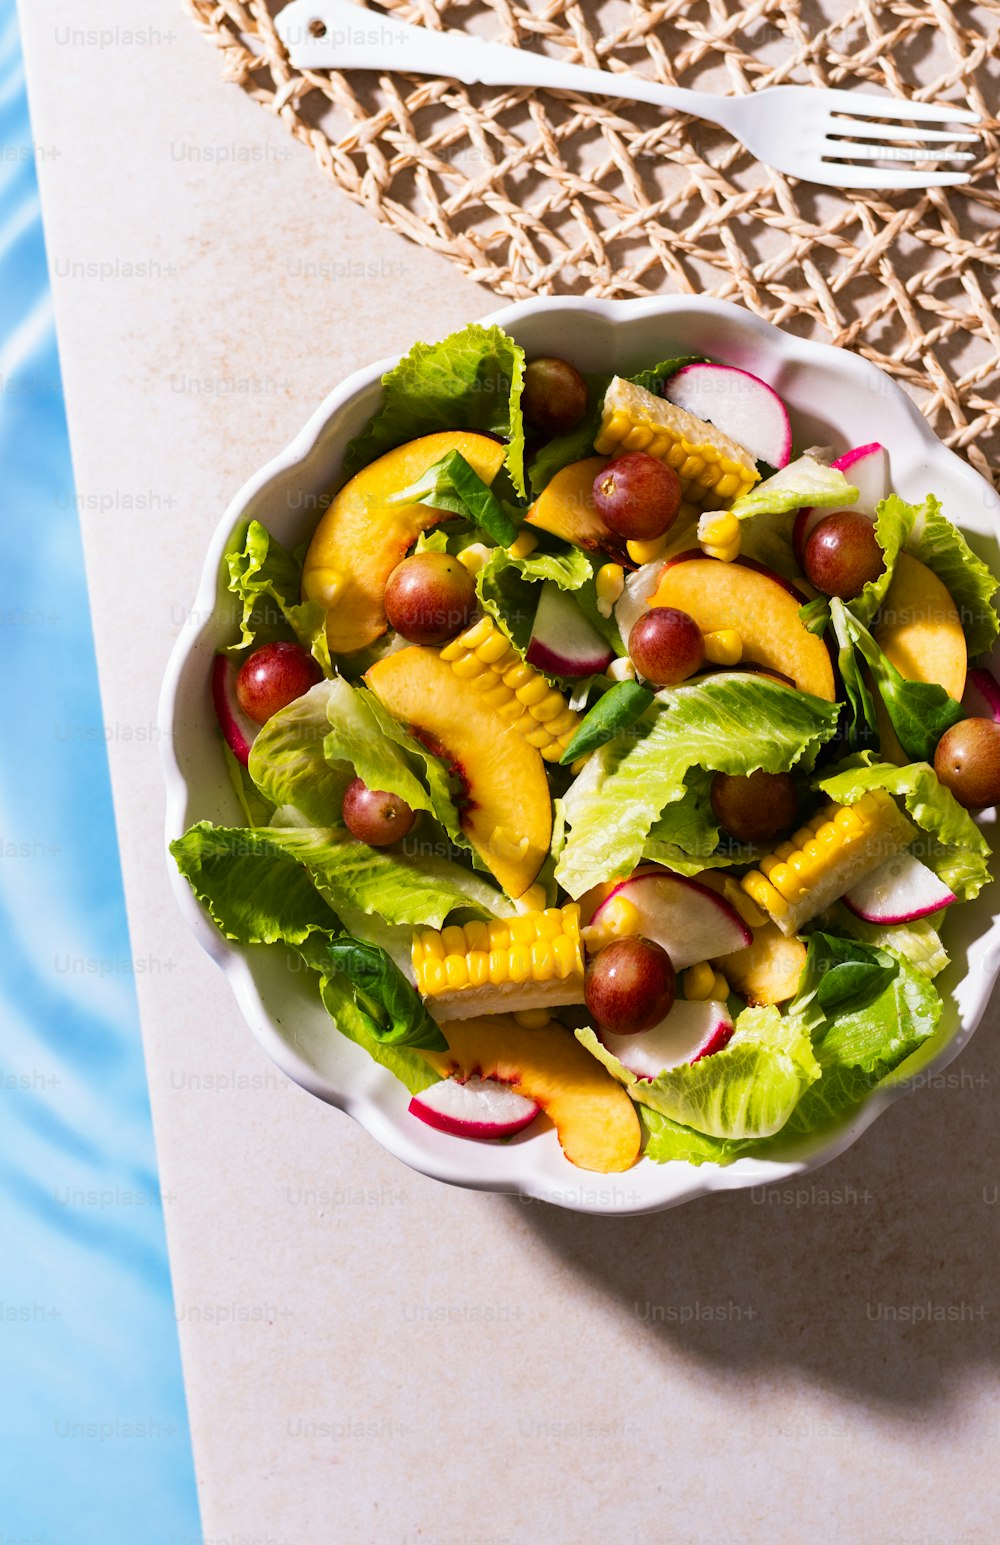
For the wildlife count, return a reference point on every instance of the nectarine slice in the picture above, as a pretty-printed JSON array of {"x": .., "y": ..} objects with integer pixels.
[
  {"x": 595, "y": 1120},
  {"x": 768, "y": 970},
  {"x": 565, "y": 507},
  {"x": 360, "y": 539},
  {"x": 919, "y": 628},
  {"x": 504, "y": 803},
  {"x": 760, "y": 606}
]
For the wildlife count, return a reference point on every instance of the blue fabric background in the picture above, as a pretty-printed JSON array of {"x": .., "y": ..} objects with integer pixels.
[{"x": 94, "y": 1445}]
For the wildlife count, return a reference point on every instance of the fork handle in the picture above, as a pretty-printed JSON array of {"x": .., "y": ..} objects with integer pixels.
[{"x": 336, "y": 35}]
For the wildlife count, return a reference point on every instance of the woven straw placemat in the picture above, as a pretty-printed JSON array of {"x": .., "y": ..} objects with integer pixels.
[{"x": 534, "y": 192}]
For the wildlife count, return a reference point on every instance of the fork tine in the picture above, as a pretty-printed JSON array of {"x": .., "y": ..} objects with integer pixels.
[
  {"x": 869, "y": 106},
  {"x": 852, "y": 151},
  {"x": 865, "y": 129},
  {"x": 877, "y": 178}
]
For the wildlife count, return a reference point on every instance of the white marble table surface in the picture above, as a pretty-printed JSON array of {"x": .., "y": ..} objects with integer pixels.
[{"x": 370, "y": 1355}]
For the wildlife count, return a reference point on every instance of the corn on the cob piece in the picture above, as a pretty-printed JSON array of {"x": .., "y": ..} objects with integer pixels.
[
  {"x": 518, "y": 692},
  {"x": 712, "y": 468},
  {"x": 823, "y": 859},
  {"x": 530, "y": 961}
]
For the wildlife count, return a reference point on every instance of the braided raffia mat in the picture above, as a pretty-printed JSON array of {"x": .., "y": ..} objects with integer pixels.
[{"x": 535, "y": 192}]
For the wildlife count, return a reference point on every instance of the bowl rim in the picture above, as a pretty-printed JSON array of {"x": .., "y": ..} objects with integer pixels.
[{"x": 234, "y": 962}]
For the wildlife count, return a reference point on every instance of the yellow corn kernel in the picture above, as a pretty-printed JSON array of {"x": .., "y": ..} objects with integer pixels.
[
  {"x": 498, "y": 967},
  {"x": 621, "y": 669},
  {"x": 827, "y": 835},
  {"x": 847, "y": 822},
  {"x": 468, "y": 666},
  {"x": 478, "y": 962},
  {"x": 698, "y": 982},
  {"x": 646, "y": 552},
  {"x": 496, "y": 696},
  {"x": 802, "y": 836},
  {"x": 433, "y": 977},
  {"x": 417, "y": 954},
  {"x": 727, "y": 554},
  {"x": 576, "y": 768},
  {"x": 477, "y": 936},
  {"x": 524, "y": 545},
  {"x": 518, "y": 675},
  {"x": 519, "y": 963},
  {"x": 609, "y": 582},
  {"x": 499, "y": 933},
  {"x": 772, "y": 861},
  {"x": 567, "y": 955},
  {"x": 456, "y": 971},
  {"x": 566, "y": 722},
  {"x": 523, "y": 929},
  {"x": 542, "y": 960},
  {"x": 533, "y": 900},
  {"x": 432, "y": 944},
  {"x": 764, "y": 894},
  {"x": 531, "y": 692},
  {"x": 618, "y": 918},
  {"x": 550, "y": 924},
  {"x": 324, "y": 586},
  {"x": 548, "y": 707},
  {"x": 571, "y": 919},
  {"x": 493, "y": 649},
  {"x": 738, "y": 899},
  {"x": 477, "y": 633},
  {"x": 783, "y": 880},
  {"x": 474, "y": 556},
  {"x": 453, "y": 939},
  {"x": 533, "y": 1019},
  {"x": 869, "y": 808},
  {"x": 538, "y": 736},
  {"x": 724, "y": 646},
  {"x": 720, "y": 987},
  {"x": 718, "y": 529}
]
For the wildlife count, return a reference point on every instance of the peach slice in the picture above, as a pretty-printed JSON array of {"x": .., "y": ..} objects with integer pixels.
[
  {"x": 360, "y": 539},
  {"x": 759, "y": 605},
  {"x": 504, "y": 803},
  {"x": 919, "y": 628},
  {"x": 565, "y": 507},
  {"x": 595, "y": 1120},
  {"x": 768, "y": 970}
]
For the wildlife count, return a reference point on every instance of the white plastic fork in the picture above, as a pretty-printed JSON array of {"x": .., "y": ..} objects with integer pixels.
[{"x": 817, "y": 134}]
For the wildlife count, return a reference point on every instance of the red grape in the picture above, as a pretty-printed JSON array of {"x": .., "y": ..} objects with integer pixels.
[
  {"x": 630, "y": 985},
  {"x": 429, "y": 598},
  {"x": 555, "y": 396},
  {"x": 637, "y": 496},
  {"x": 967, "y": 761},
  {"x": 375, "y": 817},
  {"x": 842, "y": 555},
  {"x": 757, "y": 807},
  {"x": 666, "y": 646},
  {"x": 274, "y": 676}
]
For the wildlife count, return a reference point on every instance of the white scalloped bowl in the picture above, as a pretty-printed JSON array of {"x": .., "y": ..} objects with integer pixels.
[{"x": 835, "y": 398}]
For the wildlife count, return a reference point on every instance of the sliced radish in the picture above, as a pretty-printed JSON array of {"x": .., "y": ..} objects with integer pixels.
[
  {"x": 479, "y": 1107},
  {"x": 639, "y": 586},
  {"x": 982, "y": 694},
  {"x": 742, "y": 406},
  {"x": 563, "y": 641},
  {"x": 239, "y": 731},
  {"x": 898, "y": 891},
  {"x": 691, "y": 922},
  {"x": 866, "y": 468},
  {"x": 689, "y": 1032}
]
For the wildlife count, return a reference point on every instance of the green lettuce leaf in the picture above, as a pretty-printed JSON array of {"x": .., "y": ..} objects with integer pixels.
[
  {"x": 255, "y": 891},
  {"x": 371, "y": 742},
  {"x": 747, "y": 1090},
  {"x": 805, "y": 481},
  {"x": 470, "y": 380},
  {"x": 667, "y": 1140},
  {"x": 868, "y": 1010},
  {"x": 452, "y": 485},
  {"x": 926, "y": 533},
  {"x": 685, "y": 837},
  {"x": 412, "y": 1070},
  {"x": 732, "y": 724},
  {"x": 288, "y": 762},
  {"x": 266, "y": 580},
  {"x": 257, "y": 810},
  {"x": 396, "y": 885},
  {"x": 507, "y": 590},
  {"x": 956, "y": 850},
  {"x": 918, "y": 942},
  {"x": 391, "y": 1009}
]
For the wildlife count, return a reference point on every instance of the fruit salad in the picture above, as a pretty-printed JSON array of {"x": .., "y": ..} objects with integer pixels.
[{"x": 608, "y": 760}]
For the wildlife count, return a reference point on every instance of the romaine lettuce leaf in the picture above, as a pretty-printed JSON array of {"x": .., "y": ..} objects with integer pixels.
[
  {"x": 394, "y": 884},
  {"x": 747, "y": 1090},
  {"x": 452, "y": 485},
  {"x": 730, "y": 724},
  {"x": 255, "y": 891},
  {"x": 926, "y": 533},
  {"x": 470, "y": 380},
  {"x": 667, "y": 1140},
  {"x": 266, "y": 580},
  {"x": 257, "y": 810},
  {"x": 372, "y": 744},
  {"x": 956, "y": 850},
  {"x": 918, "y": 941},
  {"x": 685, "y": 836},
  {"x": 868, "y": 1009},
  {"x": 805, "y": 481},
  {"x": 288, "y": 762},
  {"x": 507, "y": 590}
]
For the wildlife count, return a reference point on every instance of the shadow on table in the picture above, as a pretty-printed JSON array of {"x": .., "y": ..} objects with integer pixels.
[{"x": 875, "y": 1275}]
